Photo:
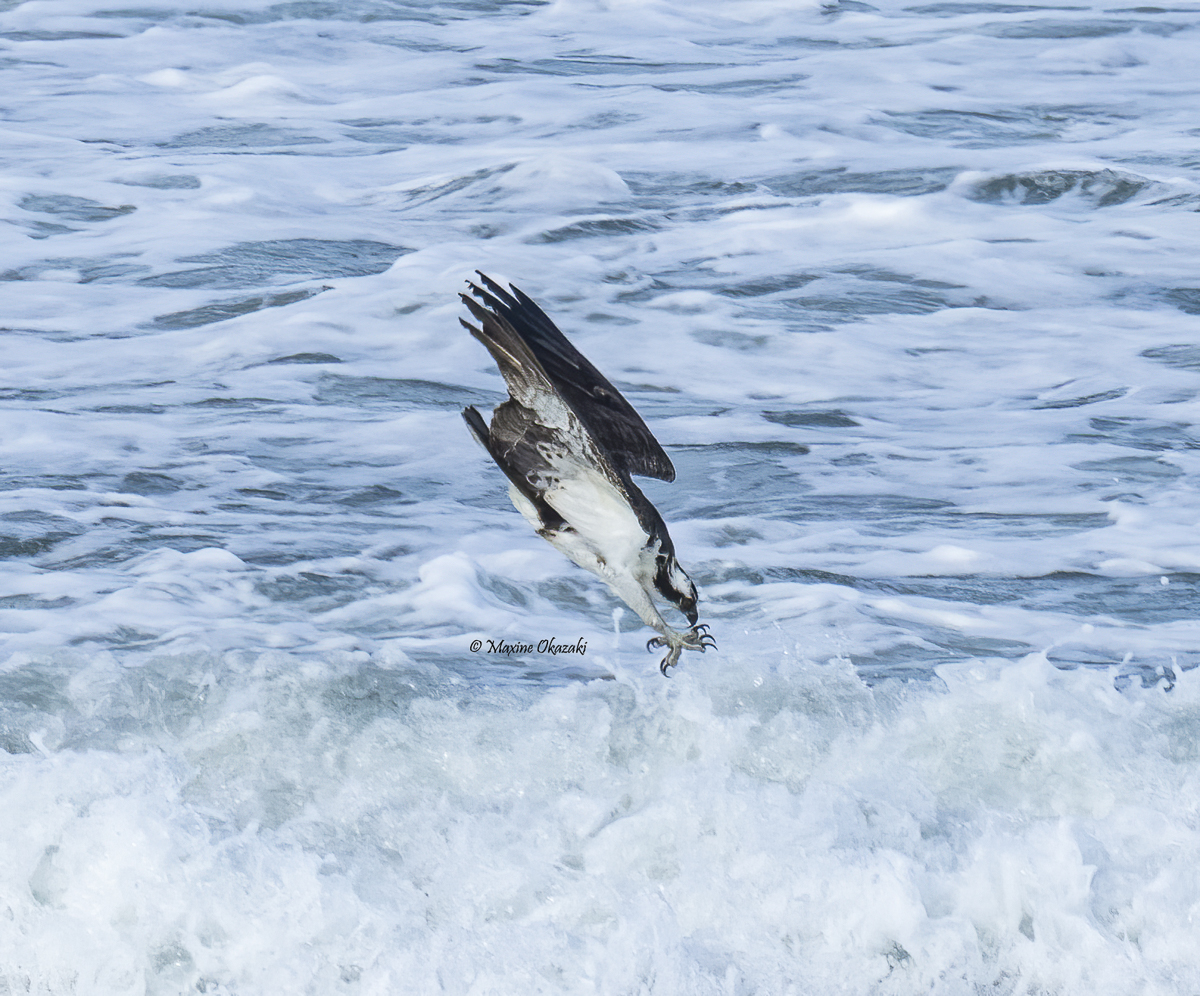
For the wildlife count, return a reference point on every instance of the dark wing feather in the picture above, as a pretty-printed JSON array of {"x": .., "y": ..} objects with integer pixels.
[
  {"x": 608, "y": 417},
  {"x": 516, "y": 453},
  {"x": 520, "y": 369}
]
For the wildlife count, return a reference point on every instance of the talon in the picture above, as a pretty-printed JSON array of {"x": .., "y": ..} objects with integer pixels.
[
  {"x": 666, "y": 663},
  {"x": 655, "y": 642}
]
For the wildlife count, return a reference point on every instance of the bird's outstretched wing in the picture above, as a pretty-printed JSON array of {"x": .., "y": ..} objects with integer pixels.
[
  {"x": 509, "y": 317},
  {"x": 513, "y": 443}
]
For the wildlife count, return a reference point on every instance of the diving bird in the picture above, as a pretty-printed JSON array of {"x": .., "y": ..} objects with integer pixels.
[{"x": 568, "y": 443}]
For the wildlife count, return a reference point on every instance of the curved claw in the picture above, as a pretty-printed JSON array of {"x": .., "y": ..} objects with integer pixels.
[
  {"x": 700, "y": 639},
  {"x": 697, "y": 638},
  {"x": 670, "y": 660}
]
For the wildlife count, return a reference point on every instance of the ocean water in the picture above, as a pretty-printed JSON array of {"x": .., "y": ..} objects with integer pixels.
[{"x": 910, "y": 294}]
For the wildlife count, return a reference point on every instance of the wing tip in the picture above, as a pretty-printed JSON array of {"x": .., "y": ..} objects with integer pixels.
[{"x": 495, "y": 288}]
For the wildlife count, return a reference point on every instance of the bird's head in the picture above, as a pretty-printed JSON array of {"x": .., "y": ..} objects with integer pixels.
[{"x": 674, "y": 583}]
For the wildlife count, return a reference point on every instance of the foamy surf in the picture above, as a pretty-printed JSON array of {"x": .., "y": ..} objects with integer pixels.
[{"x": 224, "y": 825}]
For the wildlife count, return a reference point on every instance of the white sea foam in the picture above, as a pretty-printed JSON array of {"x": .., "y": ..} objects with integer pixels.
[{"x": 775, "y": 826}]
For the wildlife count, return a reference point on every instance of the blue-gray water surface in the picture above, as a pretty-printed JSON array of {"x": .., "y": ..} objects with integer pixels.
[{"x": 908, "y": 293}]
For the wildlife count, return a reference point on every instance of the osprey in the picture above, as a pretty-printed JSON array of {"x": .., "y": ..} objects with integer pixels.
[{"x": 568, "y": 442}]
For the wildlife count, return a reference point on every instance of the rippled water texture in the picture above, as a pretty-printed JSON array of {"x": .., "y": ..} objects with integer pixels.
[{"x": 908, "y": 293}]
